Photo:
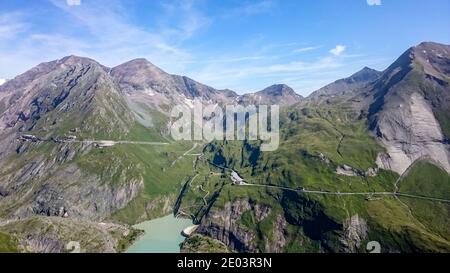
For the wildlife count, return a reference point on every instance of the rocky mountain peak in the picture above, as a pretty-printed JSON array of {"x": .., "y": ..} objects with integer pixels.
[
  {"x": 348, "y": 85},
  {"x": 365, "y": 74},
  {"x": 410, "y": 118},
  {"x": 276, "y": 94},
  {"x": 434, "y": 57},
  {"x": 429, "y": 57},
  {"x": 141, "y": 68},
  {"x": 76, "y": 60},
  {"x": 278, "y": 90}
]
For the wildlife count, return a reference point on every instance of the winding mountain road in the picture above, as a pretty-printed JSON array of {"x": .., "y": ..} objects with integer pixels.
[
  {"x": 118, "y": 142},
  {"x": 187, "y": 153},
  {"x": 349, "y": 193}
]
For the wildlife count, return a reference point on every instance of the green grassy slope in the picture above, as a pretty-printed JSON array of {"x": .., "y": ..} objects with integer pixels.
[
  {"x": 427, "y": 179},
  {"x": 8, "y": 244}
]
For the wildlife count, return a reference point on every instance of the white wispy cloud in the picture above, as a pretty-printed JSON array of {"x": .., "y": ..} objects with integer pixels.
[
  {"x": 11, "y": 25},
  {"x": 305, "y": 49},
  {"x": 338, "y": 50},
  {"x": 232, "y": 76},
  {"x": 100, "y": 30},
  {"x": 2, "y": 81},
  {"x": 181, "y": 19},
  {"x": 304, "y": 73},
  {"x": 249, "y": 8},
  {"x": 374, "y": 2},
  {"x": 110, "y": 30}
]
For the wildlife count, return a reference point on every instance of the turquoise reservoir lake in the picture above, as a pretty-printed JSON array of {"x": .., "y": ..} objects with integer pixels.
[{"x": 162, "y": 235}]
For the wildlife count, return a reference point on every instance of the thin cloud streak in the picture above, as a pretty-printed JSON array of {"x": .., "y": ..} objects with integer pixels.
[
  {"x": 305, "y": 49},
  {"x": 249, "y": 9},
  {"x": 11, "y": 25}
]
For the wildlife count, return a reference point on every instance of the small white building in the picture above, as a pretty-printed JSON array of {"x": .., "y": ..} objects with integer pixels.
[
  {"x": 236, "y": 178},
  {"x": 104, "y": 144}
]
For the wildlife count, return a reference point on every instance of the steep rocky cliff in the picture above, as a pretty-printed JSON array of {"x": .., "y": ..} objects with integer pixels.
[
  {"x": 410, "y": 109},
  {"x": 223, "y": 225}
]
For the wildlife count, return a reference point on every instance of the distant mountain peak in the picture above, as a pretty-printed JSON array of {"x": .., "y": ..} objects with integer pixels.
[
  {"x": 429, "y": 57},
  {"x": 365, "y": 74},
  {"x": 368, "y": 69},
  {"x": 139, "y": 62},
  {"x": 349, "y": 84},
  {"x": 278, "y": 90},
  {"x": 140, "y": 75},
  {"x": 73, "y": 60},
  {"x": 139, "y": 72},
  {"x": 280, "y": 94},
  {"x": 428, "y": 44}
]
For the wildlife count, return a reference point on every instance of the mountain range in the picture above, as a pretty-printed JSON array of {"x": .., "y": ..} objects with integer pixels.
[{"x": 373, "y": 132}]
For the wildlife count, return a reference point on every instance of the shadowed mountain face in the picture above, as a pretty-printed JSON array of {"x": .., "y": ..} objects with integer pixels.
[{"x": 355, "y": 135}]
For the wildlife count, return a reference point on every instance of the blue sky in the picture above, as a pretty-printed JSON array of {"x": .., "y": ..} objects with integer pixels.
[{"x": 238, "y": 44}]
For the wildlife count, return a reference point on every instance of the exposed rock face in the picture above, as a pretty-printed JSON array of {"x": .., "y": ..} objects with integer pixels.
[
  {"x": 411, "y": 132},
  {"x": 158, "y": 206},
  {"x": 278, "y": 241},
  {"x": 409, "y": 98},
  {"x": 54, "y": 235},
  {"x": 349, "y": 171},
  {"x": 85, "y": 197},
  {"x": 261, "y": 212},
  {"x": 223, "y": 225},
  {"x": 355, "y": 231}
]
